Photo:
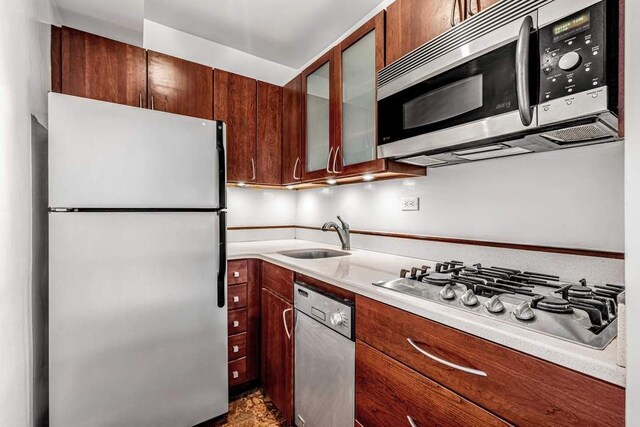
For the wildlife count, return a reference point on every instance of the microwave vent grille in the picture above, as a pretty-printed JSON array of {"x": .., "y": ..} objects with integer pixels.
[
  {"x": 483, "y": 23},
  {"x": 578, "y": 134}
]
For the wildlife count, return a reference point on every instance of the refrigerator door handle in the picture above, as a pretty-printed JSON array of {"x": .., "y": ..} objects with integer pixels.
[{"x": 222, "y": 212}]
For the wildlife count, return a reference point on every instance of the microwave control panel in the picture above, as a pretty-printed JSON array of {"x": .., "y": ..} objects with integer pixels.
[{"x": 572, "y": 54}]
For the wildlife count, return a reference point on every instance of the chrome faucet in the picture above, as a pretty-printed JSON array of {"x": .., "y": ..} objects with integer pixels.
[{"x": 343, "y": 232}]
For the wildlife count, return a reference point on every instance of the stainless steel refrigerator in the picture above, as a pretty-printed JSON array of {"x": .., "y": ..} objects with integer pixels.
[{"x": 137, "y": 282}]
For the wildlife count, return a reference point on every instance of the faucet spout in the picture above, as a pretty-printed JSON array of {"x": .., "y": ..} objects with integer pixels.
[{"x": 343, "y": 232}]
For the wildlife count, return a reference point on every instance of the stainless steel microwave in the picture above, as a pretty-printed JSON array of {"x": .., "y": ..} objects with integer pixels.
[{"x": 520, "y": 77}]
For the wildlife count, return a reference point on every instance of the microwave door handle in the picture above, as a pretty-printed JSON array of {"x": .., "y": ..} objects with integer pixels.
[{"x": 522, "y": 71}]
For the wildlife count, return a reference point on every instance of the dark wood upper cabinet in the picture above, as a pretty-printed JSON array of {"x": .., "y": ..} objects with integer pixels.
[
  {"x": 99, "y": 68},
  {"x": 358, "y": 58},
  {"x": 179, "y": 86},
  {"x": 292, "y": 131},
  {"x": 476, "y": 6},
  {"x": 277, "y": 351},
  {"x": 318, "y": 118},
  {"x": 235, "y": 103},
  {"x": 411, "y": 23},
  {"x": 269, "y": 142}
]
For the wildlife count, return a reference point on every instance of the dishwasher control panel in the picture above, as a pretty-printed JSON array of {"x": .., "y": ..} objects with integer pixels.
[{"x": 332, "y": 311}]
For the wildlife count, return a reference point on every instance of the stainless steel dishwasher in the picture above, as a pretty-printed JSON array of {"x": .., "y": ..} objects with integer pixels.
[{"x": 324, "y": 359}]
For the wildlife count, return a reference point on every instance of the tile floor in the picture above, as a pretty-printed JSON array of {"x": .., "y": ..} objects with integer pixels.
[{"x": 252, "y": 409}]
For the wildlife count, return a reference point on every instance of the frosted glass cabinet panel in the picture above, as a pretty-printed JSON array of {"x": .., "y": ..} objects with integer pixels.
[
  {"x": 359, "y": 101},
  {"x": 318, "y": 140}
]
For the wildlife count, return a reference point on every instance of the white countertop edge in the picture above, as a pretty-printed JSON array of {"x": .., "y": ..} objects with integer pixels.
[{"x": 600, "y": 364}]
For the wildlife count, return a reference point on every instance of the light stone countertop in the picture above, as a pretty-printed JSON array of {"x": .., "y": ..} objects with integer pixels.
[{"x": 358, "y": 271}]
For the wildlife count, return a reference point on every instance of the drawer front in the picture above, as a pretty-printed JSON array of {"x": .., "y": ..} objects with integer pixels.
[
  {"x": 237, "y": 371},
  {"x": 388, "y": 393},
  {"x": 278, "y": 279},
  {"x": 237, "y": 321},
  {"x": 237, "y": 272},
  {"x": 237, "y": 296},
  {"x": 519, "y": 388},
  {"x": 237, "y": 346}
]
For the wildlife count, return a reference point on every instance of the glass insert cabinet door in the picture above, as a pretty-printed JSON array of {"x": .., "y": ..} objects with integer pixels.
[
  {"x": 359, "y": 101},
  {"x": 317, "y": 120}
]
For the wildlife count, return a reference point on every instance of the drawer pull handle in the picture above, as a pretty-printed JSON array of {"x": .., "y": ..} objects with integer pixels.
[
  {"x": 236, "y": 323},
  {"x": 235, "y": 374},
  {"x": 236, "y": 349},
  {"x": 236, "y": 298},
  {"x": 236, "y": 274},
  {"x": 446, "y": 363},
  {"x": 411, "y": 422},
  {"x": 284, "y": 320}
]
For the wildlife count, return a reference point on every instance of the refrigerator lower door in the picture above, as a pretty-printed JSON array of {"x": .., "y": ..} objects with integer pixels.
[{"x": 136, "y": 336}]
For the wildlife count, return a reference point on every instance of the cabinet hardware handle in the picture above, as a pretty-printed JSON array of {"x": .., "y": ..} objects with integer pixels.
[
  {"x": 236, "y": 299},
  {"x": 236, "y": 274},
  {"x": 235, "y": 374},
  {"x": 453, "y": 13},
  {"x": 446, "y": 363},
  {"x": 411, "y": 422},
  {"x": 152, "y": 106},
  {"x": 236, "y": 323},
  {"x": 284, "y": 320},
  {"x": 236, "y": 348},
  {"x": 253, "y": 170},
  {"x": 295, "y": 167},
  {"x": 329, "y": 159},
  {"x": 469, "y": 8},
  {"x": 140, "y": 99},
  {"x": 335, "y": 158}
]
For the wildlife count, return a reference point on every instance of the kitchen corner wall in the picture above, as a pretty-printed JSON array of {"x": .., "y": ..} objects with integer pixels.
[{"x": 569, "y": 199}]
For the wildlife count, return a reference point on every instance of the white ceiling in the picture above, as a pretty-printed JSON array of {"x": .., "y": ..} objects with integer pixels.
[
  {"x": 127, "y": 14},
  {"x": 288, "y": 32}
]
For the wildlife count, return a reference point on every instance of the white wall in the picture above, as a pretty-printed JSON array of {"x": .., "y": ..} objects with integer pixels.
[
  {"x": 170, "y": 41},
  {"x": 251, "y": 207},
  {"x": 632, "y": 209},
  {"x": 570, "y": 198},
  {"x": 24, "y": 81}
]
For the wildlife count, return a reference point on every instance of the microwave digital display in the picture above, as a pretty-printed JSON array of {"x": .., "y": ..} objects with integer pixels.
[{"x": 569, "y": 27}]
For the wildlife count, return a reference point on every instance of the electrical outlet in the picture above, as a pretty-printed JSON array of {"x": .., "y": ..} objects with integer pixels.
[{"x": 410, "y": 203}]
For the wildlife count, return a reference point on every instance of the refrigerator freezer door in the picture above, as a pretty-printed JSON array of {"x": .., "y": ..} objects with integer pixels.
[
  {"x": 104, "y": 155},
  {"x": 135, "y": 334}
]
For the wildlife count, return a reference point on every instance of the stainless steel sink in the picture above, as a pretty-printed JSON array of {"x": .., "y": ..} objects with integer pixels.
[{"x": 313, "y": 253}]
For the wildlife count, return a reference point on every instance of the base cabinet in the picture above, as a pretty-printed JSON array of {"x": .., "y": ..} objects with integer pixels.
[
  {"x": 277, "y": 351},
  {"x": 389, "y": 393},
  {"x": 243, "y": 323}
]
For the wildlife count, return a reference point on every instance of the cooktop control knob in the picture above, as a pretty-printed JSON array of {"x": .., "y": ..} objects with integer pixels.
[
  {"x": 523, "y": 311},
  {"x": 569, "y": 61},
  {"x": 337, "y": 319},
  {"x": 494, "y": 305},
  {"x": 447, "y": 292},
  {"x": 469, "y": 298}
]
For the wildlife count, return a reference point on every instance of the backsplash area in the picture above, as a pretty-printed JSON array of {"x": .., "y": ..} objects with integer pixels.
[{"x": 531, "y": 199}]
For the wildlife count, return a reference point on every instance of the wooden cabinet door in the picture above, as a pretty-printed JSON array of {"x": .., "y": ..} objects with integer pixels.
[
  {"x": 235, "y": 104},
  {"x": 389, "y": 393},
  {"x": 318, "y": 118},
  {"x": 277, "y": 351},
  {"x": 475, "y": 6},
  {"x": 292, "y": 131},
  {"x": 269, "y": 140},
  {"x": 358, "y": 59},
  {"x": 103, "y": 69},
  {"x": 411, "y": 23},
  {"x": 179, "y": 86}
]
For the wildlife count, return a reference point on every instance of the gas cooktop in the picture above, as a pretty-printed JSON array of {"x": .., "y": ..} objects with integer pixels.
[{"x": 574, "y": 311}]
